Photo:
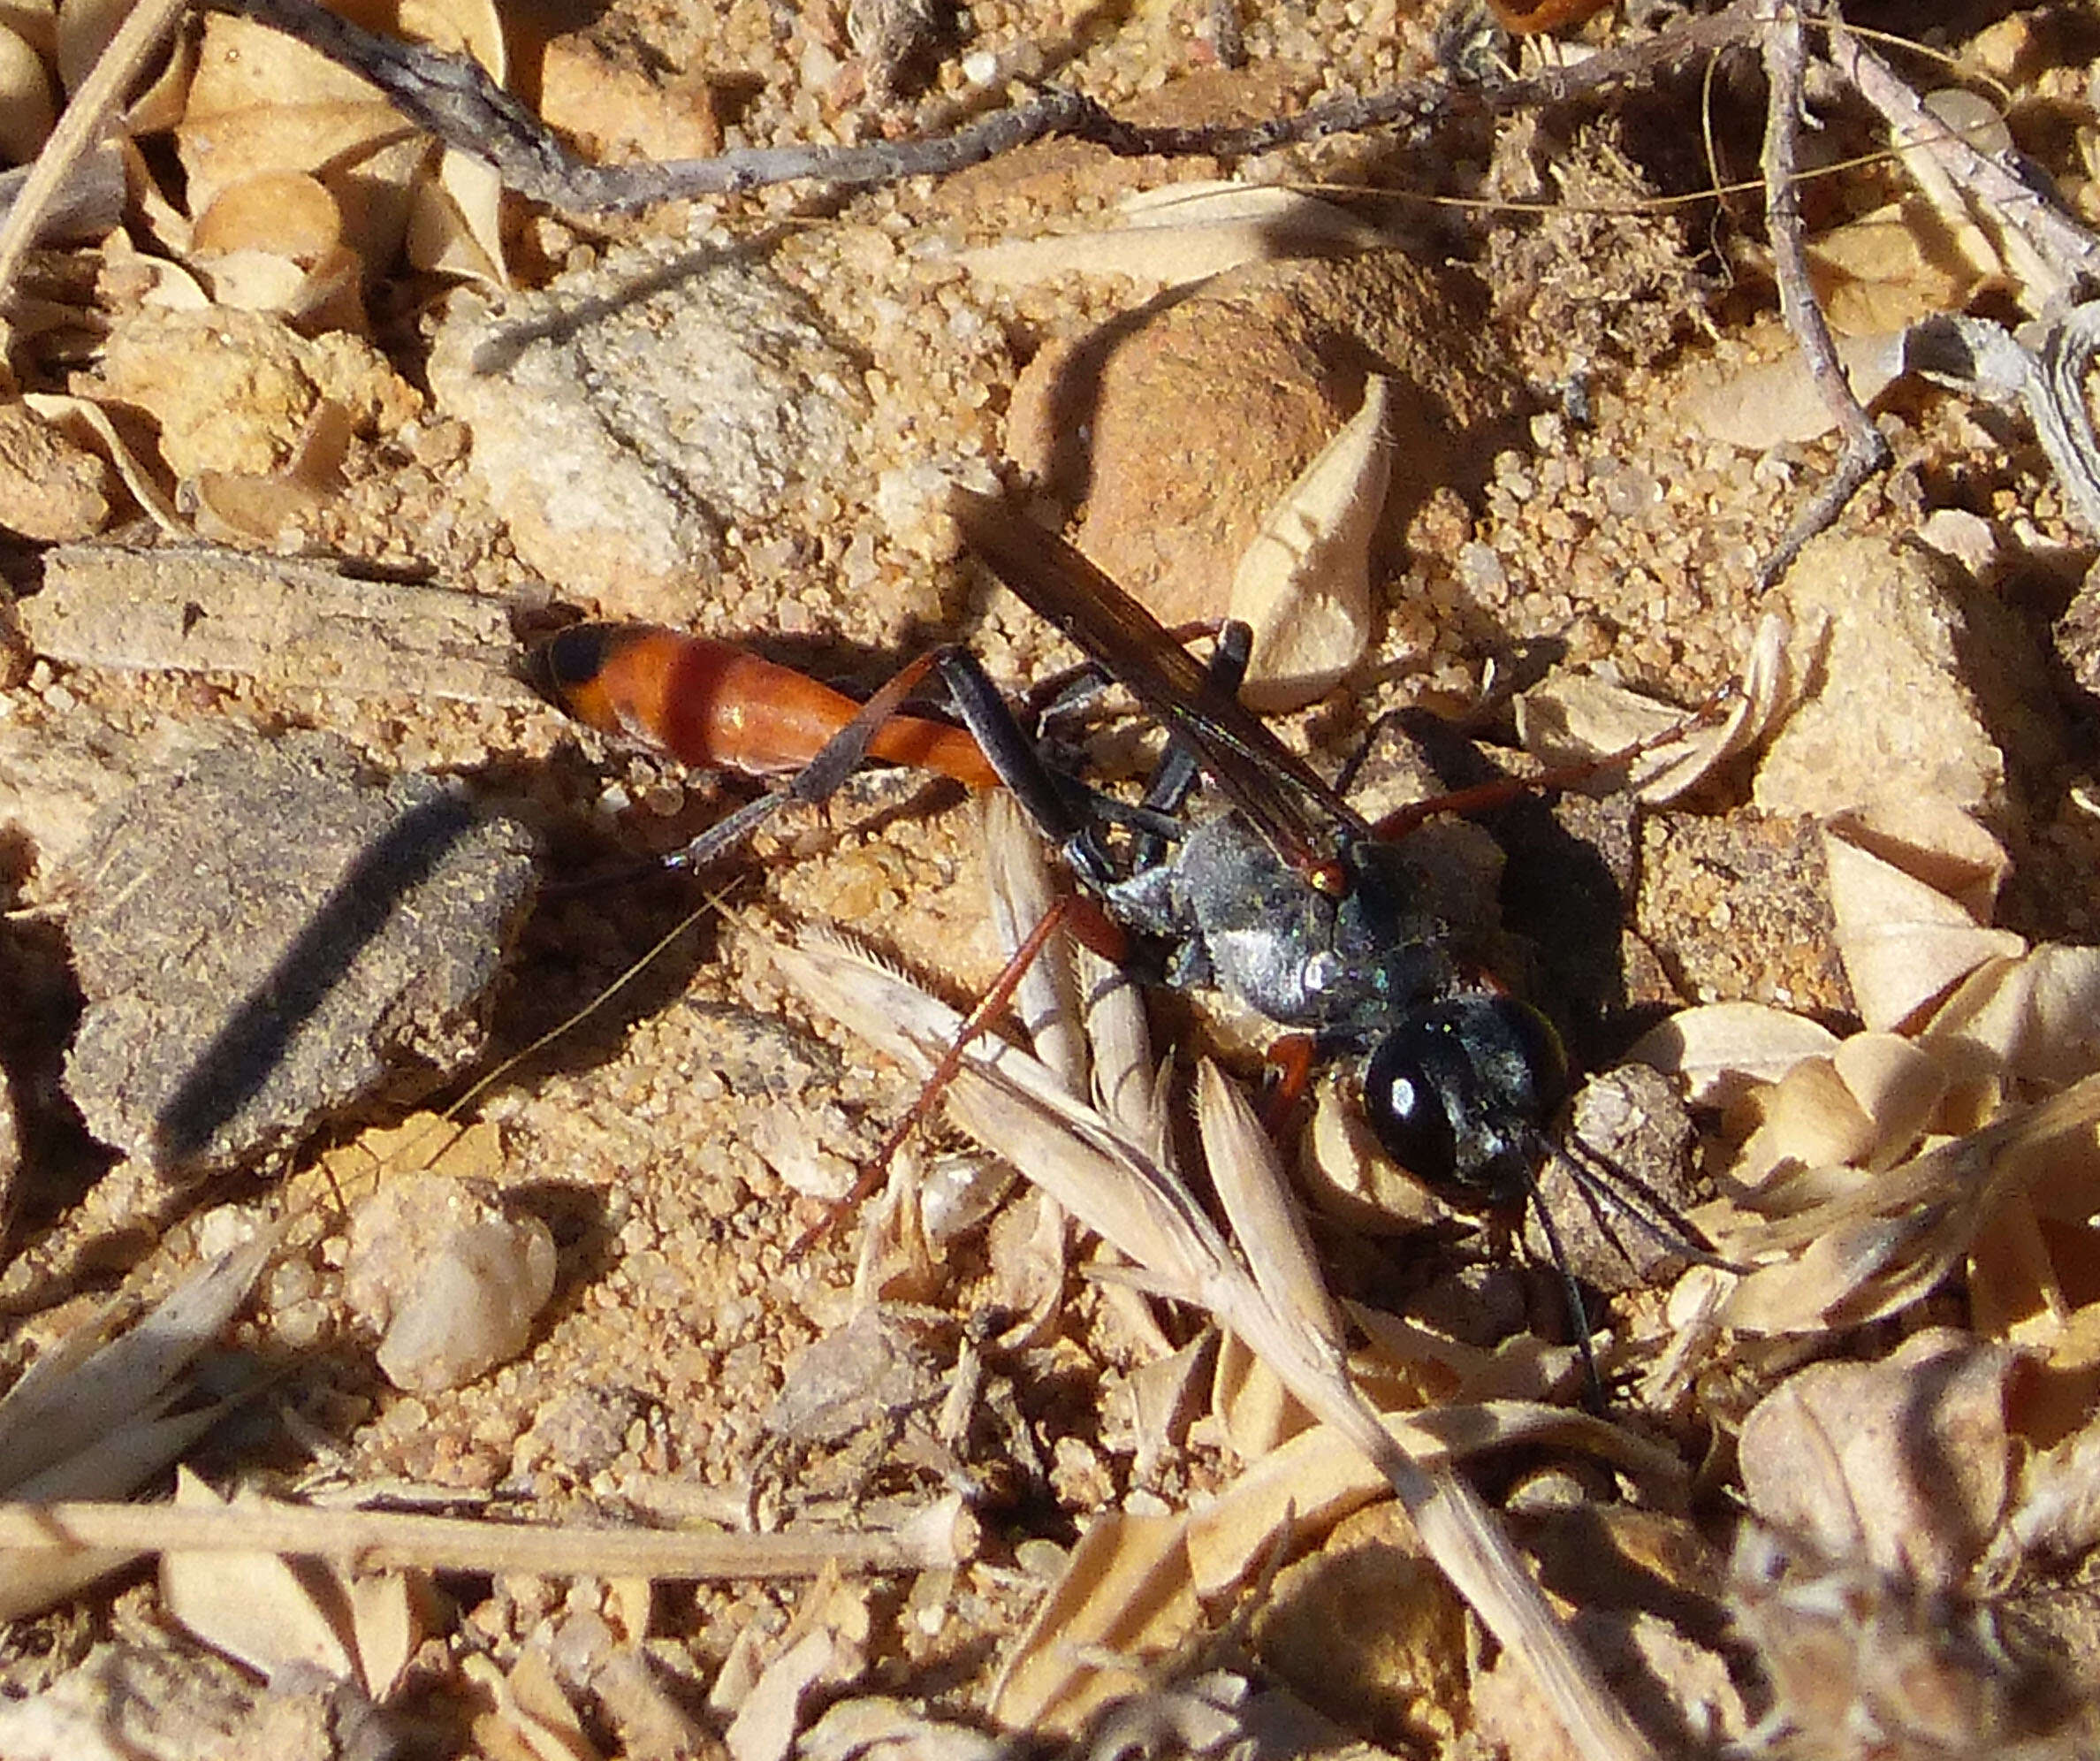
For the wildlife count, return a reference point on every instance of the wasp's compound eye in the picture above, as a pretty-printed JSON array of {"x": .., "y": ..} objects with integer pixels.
[
  {"x": 1403, "y": 1100},
  {"x": 1458, "y": 1091}
]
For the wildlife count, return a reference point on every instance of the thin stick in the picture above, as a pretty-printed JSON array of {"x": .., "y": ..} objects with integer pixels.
[
  {"x": 1865, "y": 448},
  {"x": 2069, "y": 249},
  {"x": 372, "y": 1539},
  {"x": 91, "y": 106},
  {"x": 455, "y": 100}
]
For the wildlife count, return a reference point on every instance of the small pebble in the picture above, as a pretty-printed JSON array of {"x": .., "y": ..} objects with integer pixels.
[{"x": 452, "y": 1280}]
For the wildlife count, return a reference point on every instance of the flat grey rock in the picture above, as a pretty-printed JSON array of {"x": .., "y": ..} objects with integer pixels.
[{"x": 265, "y": 938}]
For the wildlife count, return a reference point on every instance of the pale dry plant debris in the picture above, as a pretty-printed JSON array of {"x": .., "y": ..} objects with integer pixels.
[
  {"x": 1881, "y": 1159},
  {"x": 1275, "y": 1299},
  {"x": 97, "y": 1416},
  {"x": 1872, "y": 1578}
]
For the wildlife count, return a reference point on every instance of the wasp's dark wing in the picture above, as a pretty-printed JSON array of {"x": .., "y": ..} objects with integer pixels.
[{"x": 1303, "y": 821}]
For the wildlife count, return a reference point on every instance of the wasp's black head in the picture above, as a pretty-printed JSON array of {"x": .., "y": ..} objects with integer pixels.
[{"x": 1459, "y": 1094}]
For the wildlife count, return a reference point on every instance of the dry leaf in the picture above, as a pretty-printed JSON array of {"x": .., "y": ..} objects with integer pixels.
[
  {"x": 261, "y": 101},
  {"x": 276, "y": 1615},
  {"x": 273, "y": 242},
  {"x": 28, "y": 112},
  {"x": 1257, "y": 1411},
  {"x": 1933, "y": 840},
  {"x": 2033, "y": 1273},
  {"x": 1810, "y": 1118},
  {"x": 825, "y": 1644},
  {"x": 455, "y": 222},
  {"x": 1575, "y": 717},
  {"x": 255, "y": 509},
  {"x": 1888, "y": 1240},
  {"x": 1905, "y": 1465},
  {"x": 873, "y": 1728},
  {"x": 1899, "y": 1085},
  {"x": 1905, "y": 943},
  {"x": 1723, "y": 1049},
  {"x": 34, "y": 22},
  {"x": 260, "y": 105},
  {"x": 1349, "y": 1176},
  {"x": 86, "y": 422},
  {"x": 1184, "y": 234},
  {"x": 1303, "y": 583},
  {"x": 2035, "y": 1018}
]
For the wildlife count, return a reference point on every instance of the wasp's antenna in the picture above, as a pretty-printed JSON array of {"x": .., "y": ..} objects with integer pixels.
[{"x": 1578, "y": 1309}]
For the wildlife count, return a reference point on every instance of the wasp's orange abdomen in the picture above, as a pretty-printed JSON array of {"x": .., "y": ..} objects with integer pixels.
[{"x": 708, "y": 703}]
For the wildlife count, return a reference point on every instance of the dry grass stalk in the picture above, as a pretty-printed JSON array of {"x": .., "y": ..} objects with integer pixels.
[
  {"x": 942, "y": 1536},
  {"x": 100, "y": 94},
  {"x": 1273, "y": 1300}
]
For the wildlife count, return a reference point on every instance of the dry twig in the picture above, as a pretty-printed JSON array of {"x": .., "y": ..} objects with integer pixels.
[{"x": 1865, "y": 449}]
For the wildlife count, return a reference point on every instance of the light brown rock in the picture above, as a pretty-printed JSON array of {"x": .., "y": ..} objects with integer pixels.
[
  {"x": 50, "y": 489},
  {"x": 602, "y": 92},
  {"x": 628, "y": 414},
  {"x": 1915, "y": 684},
  {"x": 451, "y": 1276},
  {"x": 1180, "y": 425},
  {"x": 238, "y": 391}
]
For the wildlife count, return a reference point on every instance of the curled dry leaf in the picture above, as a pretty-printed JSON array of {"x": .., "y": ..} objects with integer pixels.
[
  {"x": 276, "y": 1615},
  {"x": 1351, "y": 1179},
  {"x": 273, "y": 242},
  {"x": 1877, "y": 1164},
  {"x": 1887, "y": 1240},
  {"x": 263, "y": 102},
  {"x": 874, "y": 1727},
  {"x": 2035, "y": 1018},
  {"x": 2033, "y": 1272},
  {"x": 825, "y": 1644},
  {"x": 1933, "y": 840},
  {"x": 1905, "y": 942},
  {"x": 248, "y": 507},
  {"x": 28, "y": 112},
  {"x": 1184, "y": 234},
  {"x": 262, "y": 105},
  {"x": 1905, "y": 1465},
  {"x": 1575, "y": 717},
  {"x": 455, "y": 220},
  {"x": 1724, "y": 1049},
  {"x": 1865, "y": 1105},
  {"x": 1304, "y": 584},
  {"x": 88, "y": 423}
]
